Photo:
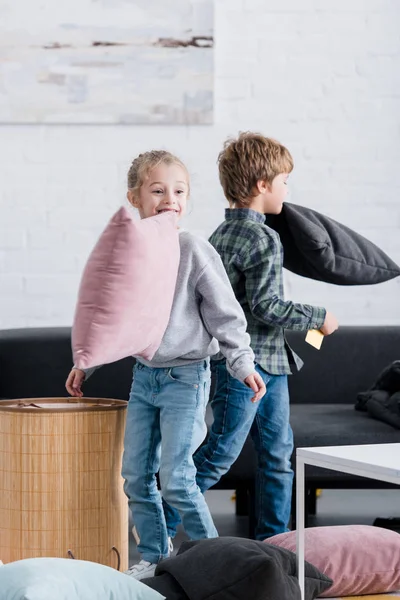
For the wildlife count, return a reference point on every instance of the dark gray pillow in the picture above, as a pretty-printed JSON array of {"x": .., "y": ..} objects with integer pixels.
[
  {"x": 387, "y": 410},
  {"x": 167, "y": 586},
  {"x": 228, "y": 567},
  {"x": 318, "y": 247}
]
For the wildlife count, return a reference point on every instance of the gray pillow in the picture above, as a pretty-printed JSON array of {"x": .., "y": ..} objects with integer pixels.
[
  {"x": 228, "y": 567},
  {"x": 318, "y": 247}
]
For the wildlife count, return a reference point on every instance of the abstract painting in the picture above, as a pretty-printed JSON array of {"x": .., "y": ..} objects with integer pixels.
[{"x": 106, "y": 61}]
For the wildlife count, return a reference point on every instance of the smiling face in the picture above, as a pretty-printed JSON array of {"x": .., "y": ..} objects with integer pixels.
[{"x": 164, "y": 189}]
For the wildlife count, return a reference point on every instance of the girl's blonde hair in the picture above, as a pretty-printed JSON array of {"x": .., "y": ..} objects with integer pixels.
[{"x": 146, "y": 162}]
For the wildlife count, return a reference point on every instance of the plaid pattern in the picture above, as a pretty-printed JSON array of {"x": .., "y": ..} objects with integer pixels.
[{"x": 252, "y": 254}]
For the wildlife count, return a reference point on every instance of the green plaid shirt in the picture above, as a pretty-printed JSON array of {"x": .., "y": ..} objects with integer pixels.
[{"x": 252, "y": 254}]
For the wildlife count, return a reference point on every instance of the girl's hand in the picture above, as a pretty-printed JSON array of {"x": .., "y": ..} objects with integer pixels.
[
  {"x": 256, "y": 383},
  {"x": 74, "y": 383}
]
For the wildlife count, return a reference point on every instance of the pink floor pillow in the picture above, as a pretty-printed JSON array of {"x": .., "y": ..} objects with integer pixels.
[
  {"x": 126, "y": 291},
  {"x": 360, "y": 559}
]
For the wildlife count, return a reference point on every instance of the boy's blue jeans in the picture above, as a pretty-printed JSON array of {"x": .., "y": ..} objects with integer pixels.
[
  {"x": 164, "y": 426},
  {"x": 267, "y": 421}
]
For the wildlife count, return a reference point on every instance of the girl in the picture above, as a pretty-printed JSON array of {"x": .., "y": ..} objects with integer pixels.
[{"x": 165, "y": 418}]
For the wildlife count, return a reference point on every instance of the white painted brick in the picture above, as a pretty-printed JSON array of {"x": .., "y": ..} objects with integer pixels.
[
  {"x": 228, "y": 112},
  {"x": 12, "y": 238},
  {"x": 43, "y": 238},
  {"x": 320, "y": 76},
  {"x": 39, "y": 262},
  {"x": 30, "y": 175},
  {"x": 61, "y": 217},
  {"x": 309, "y": 68},
  {"x": 11, "y": 285},
  {"x": 49, "y": 285},
  {"x": 364, "y": 173},
  {"x": 17, "y": 194},
  {"x": 43, "y": 308},
  {"x": 237, "y": 5},
  {"x": 364, "y": 7},
  {"x": 284, "y": 6},
  {"x": 231, "y": 23},
  {"x": 235, "y": 67},
  {"x": 351, "y": 305},
  {"x": 23, "y": 214},
  {"x": 14, "y": 311},
  {"x": 233, "y": 88},
  {"x": 373, "y": 66}
]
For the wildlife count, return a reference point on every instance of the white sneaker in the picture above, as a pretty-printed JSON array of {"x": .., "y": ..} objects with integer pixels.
[{"x": 141, "y": 570}]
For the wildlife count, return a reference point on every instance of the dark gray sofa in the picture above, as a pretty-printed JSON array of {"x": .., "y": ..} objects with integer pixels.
[{"x": 35, "y": 363}]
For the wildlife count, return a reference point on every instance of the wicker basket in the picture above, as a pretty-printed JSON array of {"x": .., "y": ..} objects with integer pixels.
[{"x": 61, "y": 490}]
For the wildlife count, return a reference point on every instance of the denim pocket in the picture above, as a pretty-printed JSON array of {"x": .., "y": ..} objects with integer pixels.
[{"x": 186, "y": 375}]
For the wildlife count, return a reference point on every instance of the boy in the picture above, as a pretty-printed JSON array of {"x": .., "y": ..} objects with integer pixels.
[{"x": 253, "y": 172}]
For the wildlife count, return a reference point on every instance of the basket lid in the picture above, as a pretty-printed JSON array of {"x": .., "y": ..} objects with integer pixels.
[{"x": 62, "y": 404}]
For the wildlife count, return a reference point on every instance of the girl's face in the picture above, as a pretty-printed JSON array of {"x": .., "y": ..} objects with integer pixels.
[{"x": 165, "y": 189}]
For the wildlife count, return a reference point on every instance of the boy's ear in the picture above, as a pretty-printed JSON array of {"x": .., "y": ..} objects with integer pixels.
[
  {"x": 263, "y": 186},
  {"x": 132, "y": 199}
]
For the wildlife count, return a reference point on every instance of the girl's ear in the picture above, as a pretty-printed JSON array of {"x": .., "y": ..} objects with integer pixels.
[{"x": 132, "y": 199}]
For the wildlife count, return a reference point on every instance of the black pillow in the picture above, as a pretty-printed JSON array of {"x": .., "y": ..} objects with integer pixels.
[
  {"x": 167, "y": 586},
  {"x": 229, "y": 568},
  {"x": 388, "y": 410},
  {"x": 389, "y": 379},
  {"x": 318, "y": 247},
  {"x": 388, "y": 383}
]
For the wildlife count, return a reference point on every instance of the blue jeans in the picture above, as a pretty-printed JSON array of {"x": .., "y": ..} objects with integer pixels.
[
  {"x": 165, "y": 425},
  {"x": 267, "y": 421}
]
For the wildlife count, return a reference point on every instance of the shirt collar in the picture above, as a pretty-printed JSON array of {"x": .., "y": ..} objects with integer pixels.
[{"x": 232, "y": 214}]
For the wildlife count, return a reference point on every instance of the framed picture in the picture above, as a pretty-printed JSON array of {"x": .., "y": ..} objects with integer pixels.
[{"x": 106, "y": 61}]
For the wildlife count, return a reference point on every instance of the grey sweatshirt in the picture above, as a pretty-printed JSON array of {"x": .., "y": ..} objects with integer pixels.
[{"x": 205, "y": 315}]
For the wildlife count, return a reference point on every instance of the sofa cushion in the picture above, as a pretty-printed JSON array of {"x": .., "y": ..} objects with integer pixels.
[
  {"x": 333, "y": 424},
  {"x": 317, "y": 425}
]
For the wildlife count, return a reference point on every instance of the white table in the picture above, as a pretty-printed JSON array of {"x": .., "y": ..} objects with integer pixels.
[{"x": 375, "y": 461}]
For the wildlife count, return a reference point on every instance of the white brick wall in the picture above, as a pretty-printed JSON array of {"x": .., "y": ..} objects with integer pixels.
[{"x": 323, "y": 76}]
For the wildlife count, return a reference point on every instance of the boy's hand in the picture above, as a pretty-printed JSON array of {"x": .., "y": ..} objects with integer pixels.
[
  {"x": 256, "y": 383},
  {"x": 330, "y": 324},
  {"x": 74, "y": 383}
]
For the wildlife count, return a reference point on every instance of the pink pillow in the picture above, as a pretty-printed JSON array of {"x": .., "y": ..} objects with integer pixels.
[
  {"x": 126, "y": 291},
  {"x": 360, "y": 559}
]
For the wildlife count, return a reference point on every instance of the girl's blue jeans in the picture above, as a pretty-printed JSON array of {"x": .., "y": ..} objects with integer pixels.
[{"x": 165, "y": 425}]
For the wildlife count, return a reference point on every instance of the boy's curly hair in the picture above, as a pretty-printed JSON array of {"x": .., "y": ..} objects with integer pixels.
[{"x": 247, "y": 159}]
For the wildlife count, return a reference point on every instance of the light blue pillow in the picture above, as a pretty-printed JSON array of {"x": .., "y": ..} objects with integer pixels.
[{"x": 68, "y": 579}]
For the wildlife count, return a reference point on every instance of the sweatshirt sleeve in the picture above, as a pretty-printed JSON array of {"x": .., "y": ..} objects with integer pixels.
[
  {"x": 260, "y": 268},
  {"x": 224, "y": 318},
  {"x": 88, "y": 372}
]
